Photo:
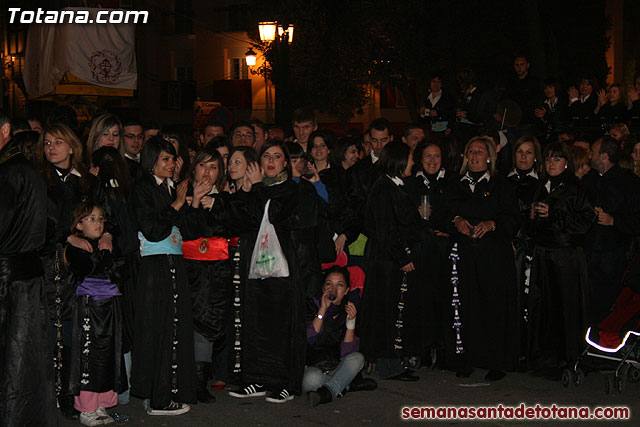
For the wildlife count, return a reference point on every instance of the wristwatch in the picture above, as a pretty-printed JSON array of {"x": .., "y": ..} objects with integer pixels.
[{"x": 319, "y": 316}]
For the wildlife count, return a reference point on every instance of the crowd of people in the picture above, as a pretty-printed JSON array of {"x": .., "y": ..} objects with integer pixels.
[{"x": 155, "y": 262}]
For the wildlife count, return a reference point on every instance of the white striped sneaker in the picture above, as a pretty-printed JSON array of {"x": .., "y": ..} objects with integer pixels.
[
  {"x": 252, "y": 390},
  {"x": 281, "y": 397}
]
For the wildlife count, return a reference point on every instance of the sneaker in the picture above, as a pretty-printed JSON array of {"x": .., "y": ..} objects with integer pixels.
[
  {"x": 92, "y": 419},
  {"x": 173, "y": 408},
  {"x": 106, "y": 418},
  {"x": 281, "y": 397},
  {"x": 253, "y": 390}
]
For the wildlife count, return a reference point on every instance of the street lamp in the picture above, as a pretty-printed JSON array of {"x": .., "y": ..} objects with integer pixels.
[
  {"x": 267, "y": 31},
  {"x": 250, "y": 57},
  {"x": 276, "y": 39},
  {"x": 288, "y": 30}
]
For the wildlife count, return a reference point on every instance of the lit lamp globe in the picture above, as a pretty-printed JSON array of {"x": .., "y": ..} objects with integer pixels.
[
  {"x": 288, "y": 30},
  {"x": 250, "y": 57},
  {"x": 267, "y": 31}
]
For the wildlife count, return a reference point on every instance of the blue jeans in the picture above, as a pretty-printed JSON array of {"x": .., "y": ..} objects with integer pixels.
[
  {"x": 123, "y": 398},
  {"x": 337, "y": 379},
  {"x": 203, "y": 348}
]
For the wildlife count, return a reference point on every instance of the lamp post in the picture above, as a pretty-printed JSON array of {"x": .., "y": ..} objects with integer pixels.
[{"x": 276, "y": 38}]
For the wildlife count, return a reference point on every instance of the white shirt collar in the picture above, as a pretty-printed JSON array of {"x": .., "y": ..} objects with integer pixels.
[
  {"x": 73, "y": 171},
  {"x": 374, "y": 158},
  {"x": 532, "y": 173},
  {"x": 396, "y": 180},
  {"x": 134, "y": 158},
  {"x": 170, "y": 183},
  {"x": 472, "y": 184},
  {"x": 439, "y": 176},
  {"x": 434, "y": 98},
  {"x": 583, "y": 98}
]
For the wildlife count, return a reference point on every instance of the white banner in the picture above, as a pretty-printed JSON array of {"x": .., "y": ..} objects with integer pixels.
[{"x": 101, "y": 54}]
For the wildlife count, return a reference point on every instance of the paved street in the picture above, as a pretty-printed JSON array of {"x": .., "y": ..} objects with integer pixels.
[{"x": 383, "y": 406}]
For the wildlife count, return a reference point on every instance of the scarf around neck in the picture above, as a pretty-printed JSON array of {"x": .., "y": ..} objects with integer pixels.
[{"x": 281, "y": 177}]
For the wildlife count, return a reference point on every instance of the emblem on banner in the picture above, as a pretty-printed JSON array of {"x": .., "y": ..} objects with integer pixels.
[
  {"x": 204, "y": 246},
  {"x": 105, "y": 66}
]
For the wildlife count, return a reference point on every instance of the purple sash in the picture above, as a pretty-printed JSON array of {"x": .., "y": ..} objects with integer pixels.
[{"x": 99, "y": 289}]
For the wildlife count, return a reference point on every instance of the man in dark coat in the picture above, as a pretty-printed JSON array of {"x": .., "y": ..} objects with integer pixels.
[
  {"x": 360, "y": 177},
  {"x": 616, "y": 202},
  {"x": 27, "y": 393}
]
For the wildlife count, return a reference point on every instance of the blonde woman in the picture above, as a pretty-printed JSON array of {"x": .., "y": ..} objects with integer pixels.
[
  {"x": 485, "y": 217},
  {"x": 106, "y": 130}
]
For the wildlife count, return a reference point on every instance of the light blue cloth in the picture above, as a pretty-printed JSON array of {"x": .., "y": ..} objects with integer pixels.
[{"x": 171, "y": 245}]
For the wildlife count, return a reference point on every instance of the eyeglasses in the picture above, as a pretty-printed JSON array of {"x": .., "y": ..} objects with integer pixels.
[
  {"x": 132, "y": 136},
  {"x": 93, "y": 219}
]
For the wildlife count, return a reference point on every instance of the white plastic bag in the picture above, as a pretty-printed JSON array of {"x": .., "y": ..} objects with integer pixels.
[{"x": 267, "y": 259}]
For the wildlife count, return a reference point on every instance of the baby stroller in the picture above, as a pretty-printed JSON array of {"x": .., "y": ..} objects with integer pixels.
[{"x": 614, "y": 344}]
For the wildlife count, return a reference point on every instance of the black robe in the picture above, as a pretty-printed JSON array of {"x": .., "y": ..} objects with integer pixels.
[
  {"x": 209, "y": 281},
  {"x": 122, "y": 226},
  {"x": 338, "y": 217},
  {"x": 417, "y": 186},
  {"x": 525, "y": 187},
  {"x": 360, "y": 178},
  {"x": 612, "y": 114},
  {"x": 27, "y": 392},
  {"x": 487, "y": 276},
  {"x": 63, "y": 195},
  {"x": 273, "y": 324},
  {"x": 558, "y": 294},
  {"x": 397, "y": 236},
  {"x": 104, "y": 360},
  {"x": 151, "y": 369},
  {"x": 581, "y": 114}
]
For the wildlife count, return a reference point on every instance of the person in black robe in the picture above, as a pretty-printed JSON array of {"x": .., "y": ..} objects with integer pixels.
[
  {"x": 439, "y": 106},
  {"x": 112, "y": 190},
  {"x": 401, "y": 275},
  {"x": 360, "y": 178},
  {"x": 611, "y": 107},
  {"x": 552, "y": 114},
  {"x": 429, "y": 179},
  {"x": 272, "y": 344},
  {"x": 527, "y": 158},
  {"x": 163, "y": 364},
  {"x": 206, "y": 258},
  {"x": 485, "y": 215},
  {"x": 27, "y": 392},
  {"x": 59, "y": 159},
  {"x": 96, "y": 366},
  {"x": 469, "y": 112},
  {"x": 339, "y": 221},
  {"x": 558, "y": 295},
  {"x": 305, "y": 234},
  {"x": 582, "y": 102}
]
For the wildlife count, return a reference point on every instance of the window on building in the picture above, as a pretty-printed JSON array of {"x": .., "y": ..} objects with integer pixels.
[
  {"x": 238, "y": 69},
  {"x": 184, "y": 73}
]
